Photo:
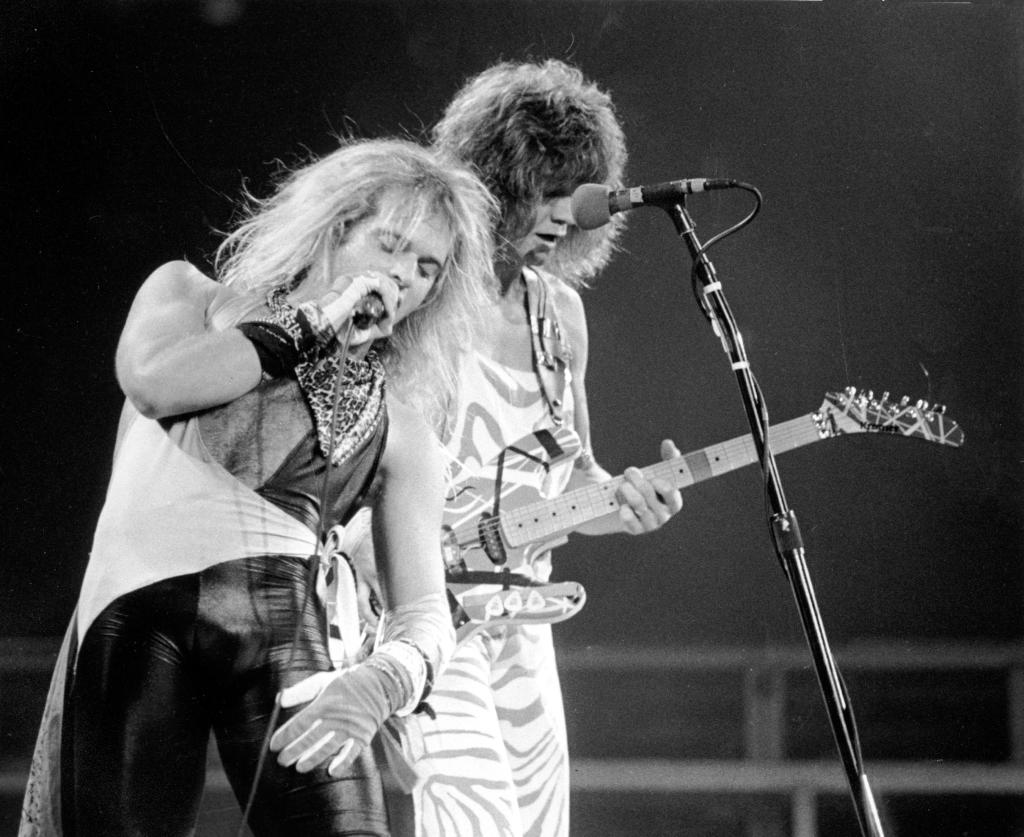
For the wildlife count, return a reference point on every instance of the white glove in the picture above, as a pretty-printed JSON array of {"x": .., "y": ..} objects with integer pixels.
[{"x": 347, "y": 709}]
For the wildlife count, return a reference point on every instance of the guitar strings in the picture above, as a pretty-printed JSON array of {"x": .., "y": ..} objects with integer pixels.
[
  {"x": 574, "y": 506},
  {"x": 554, "y": 512}
]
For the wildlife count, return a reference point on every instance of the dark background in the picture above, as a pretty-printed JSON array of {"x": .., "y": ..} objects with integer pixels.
[{"x": 886, "y": 138}]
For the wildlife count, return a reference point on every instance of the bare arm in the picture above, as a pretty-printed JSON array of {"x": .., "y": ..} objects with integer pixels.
[
  {"x": 644, "y": 505},
  {"x": 347, "y": 707},
  {"x": 168, "y": 360},
  {"x": 407, "y": 511},
  {"x": 574, "y": 321}
]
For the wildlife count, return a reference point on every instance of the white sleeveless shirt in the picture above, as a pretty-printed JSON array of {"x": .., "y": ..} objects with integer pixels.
[{"x": 499, "y": 405}]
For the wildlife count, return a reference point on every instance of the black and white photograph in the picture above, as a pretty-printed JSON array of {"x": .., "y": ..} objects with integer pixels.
[{"x": 513, "y": 418}]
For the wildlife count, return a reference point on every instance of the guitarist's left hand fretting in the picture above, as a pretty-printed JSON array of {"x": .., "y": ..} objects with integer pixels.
[
  {"x": 646, "y": 505},
  {"x": 530, "y": 524}
]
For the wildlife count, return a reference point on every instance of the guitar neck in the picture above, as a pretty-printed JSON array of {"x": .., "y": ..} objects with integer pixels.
[{"x": 558, "y": 516}]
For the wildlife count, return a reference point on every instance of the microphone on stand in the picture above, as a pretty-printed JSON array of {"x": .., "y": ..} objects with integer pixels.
[
  {"x": 593, "y": 204},
  {"x": 368, "y": 311}
]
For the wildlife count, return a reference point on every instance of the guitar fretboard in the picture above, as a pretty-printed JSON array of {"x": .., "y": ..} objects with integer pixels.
[{"x": 550, "y": 518}]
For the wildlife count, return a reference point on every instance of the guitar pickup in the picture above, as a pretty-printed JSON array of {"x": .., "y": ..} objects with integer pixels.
[{"x": 451, "y": 554}]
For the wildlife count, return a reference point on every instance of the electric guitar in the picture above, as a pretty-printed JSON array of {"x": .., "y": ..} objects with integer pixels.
[{"x": 498, "y": 520}]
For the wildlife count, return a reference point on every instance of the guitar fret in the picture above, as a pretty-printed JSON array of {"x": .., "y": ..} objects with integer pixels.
[{"x": 699, "y": 465}]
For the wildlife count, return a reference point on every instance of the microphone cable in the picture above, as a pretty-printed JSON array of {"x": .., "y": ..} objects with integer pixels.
[{"x": 314, "y": 566}]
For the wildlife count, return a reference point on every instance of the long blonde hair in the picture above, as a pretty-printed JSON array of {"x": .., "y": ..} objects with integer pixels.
[{"x": 294, "y": 231}]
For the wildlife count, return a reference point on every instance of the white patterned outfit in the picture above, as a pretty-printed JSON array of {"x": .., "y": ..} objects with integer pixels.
[{"x": 495, "y": 760}]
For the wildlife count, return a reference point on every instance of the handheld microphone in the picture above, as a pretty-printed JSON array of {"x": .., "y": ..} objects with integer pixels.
[
  {"x": 368, "y": 311},
  {"x": 593, "y": 204}
]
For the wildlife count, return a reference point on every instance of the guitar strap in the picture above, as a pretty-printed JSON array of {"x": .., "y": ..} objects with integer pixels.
[{"x": 551, "y": 354}]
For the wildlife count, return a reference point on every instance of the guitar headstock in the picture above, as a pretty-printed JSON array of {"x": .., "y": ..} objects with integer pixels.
[{"x": 853, "y": 411}]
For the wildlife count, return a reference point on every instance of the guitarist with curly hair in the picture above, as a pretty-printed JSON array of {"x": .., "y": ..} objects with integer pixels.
[{"x": 494, "y": 760}]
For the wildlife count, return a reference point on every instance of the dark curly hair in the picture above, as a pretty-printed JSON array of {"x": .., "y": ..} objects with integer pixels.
[{"x": 535, "y": 130}]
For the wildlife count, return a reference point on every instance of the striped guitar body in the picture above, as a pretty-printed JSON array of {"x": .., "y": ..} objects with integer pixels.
[
  {"x": 501, "y": 520},
  {"x": 483, "y": 590}
]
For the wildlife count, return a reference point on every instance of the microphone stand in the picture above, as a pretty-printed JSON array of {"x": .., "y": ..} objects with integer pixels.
[{"x": 785, "y": 532}]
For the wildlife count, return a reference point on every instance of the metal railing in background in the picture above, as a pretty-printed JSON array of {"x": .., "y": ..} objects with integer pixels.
[
  {"x": 761, "y": 764},
  {"x": 766, "y": 674}
]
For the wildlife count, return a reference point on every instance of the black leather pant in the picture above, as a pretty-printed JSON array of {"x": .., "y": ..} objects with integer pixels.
[{"x": 161, "y": 667}]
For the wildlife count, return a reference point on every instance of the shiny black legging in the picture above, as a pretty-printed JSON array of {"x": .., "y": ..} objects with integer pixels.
[{"x": 161, "y": 667}]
